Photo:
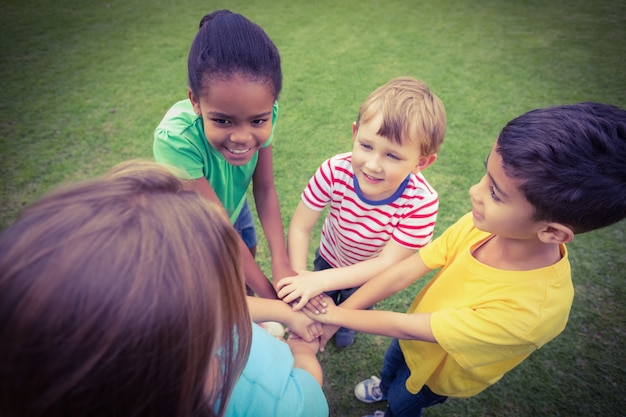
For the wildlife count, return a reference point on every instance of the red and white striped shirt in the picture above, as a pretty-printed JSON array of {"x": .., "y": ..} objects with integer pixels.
[{"x": 357, "y": 229}]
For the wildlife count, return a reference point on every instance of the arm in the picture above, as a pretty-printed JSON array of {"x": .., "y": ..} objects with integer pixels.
[
  {"x": 304, "y": 356},
  {"x": 385, "y": 323},
  {"x": 395, "y": 279},
  {"x": 268, "y": 210},
  {"x": 254, "y": 276},
  {"x": 299, "y": 234},
  {"x": 380, "y": 287},
  {"x": 263, "y": 309},
  {"x": 310, "y": 284}
]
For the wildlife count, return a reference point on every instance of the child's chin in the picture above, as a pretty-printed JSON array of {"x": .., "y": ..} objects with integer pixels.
[
  {"x": 237, "y": 160},
  {"x": 478, "y": 224}
]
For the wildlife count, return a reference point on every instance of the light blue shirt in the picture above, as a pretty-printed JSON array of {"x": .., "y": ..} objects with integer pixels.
[{"x": 271, "y": 386}]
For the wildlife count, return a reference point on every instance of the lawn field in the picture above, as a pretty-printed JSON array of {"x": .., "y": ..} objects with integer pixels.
[{"x": 84, "y": 84}]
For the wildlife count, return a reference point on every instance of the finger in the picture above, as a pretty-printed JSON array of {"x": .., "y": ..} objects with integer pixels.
[
  {"x": 312, "y": 333},
  {"x": 316, "y": 305},
  {"x": 311, "y": 309},
  {"x": 284, "y": 291},
  {"x": 288, "y": 297},
  {"x": 319, "y": 329},
  {"x": 282, "y": 283},
  {"x": 323, "y": 342},
  {"x": 300, "y": 303},
  {"x": 324, "y": 299}
]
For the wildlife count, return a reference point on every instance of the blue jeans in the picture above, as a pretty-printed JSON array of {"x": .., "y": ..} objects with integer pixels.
[
  {"x": 338, "y": 296},
  {"x": 244, "y": 225},
  {"x": 393, "y": 376}
]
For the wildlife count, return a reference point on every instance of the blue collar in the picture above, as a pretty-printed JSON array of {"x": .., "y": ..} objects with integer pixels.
[{"x": 387, "y": 200}]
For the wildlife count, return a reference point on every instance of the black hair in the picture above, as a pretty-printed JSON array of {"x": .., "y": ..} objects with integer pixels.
[
  {"x": 571, "y": 163},
  {"x": 228, "y": 43}
]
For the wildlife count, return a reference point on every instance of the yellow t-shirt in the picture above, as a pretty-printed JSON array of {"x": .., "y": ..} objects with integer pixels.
[{"x": 486, "y": 321}]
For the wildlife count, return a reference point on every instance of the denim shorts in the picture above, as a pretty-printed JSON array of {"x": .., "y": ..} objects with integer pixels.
[
  {"x": 244, "y": 225},
  {"x": 400, "y": 401},
  {"x": 338, "y": 296}
]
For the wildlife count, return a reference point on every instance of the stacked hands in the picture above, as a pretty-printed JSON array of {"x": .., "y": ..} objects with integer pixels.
[{"x": 311, "y": 324}]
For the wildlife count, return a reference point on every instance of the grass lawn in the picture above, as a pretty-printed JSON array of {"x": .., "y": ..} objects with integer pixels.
[{"x": 83, "y": 84}]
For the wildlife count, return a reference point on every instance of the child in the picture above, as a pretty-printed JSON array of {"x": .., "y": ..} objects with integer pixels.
[
  {"x": 221, "y": 136},
  {"x": 381, "y": 207},
  {"x": 279, "y": 379},
  {"x": 91, "y": 279},
  {"x": 107, "y": 309},
  {"x": 504, "y": 289}
]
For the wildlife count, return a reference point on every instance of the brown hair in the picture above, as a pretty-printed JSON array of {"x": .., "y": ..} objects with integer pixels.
[
  {"x": 121, "y": 296},
  {"x": 410, "y": 112}
]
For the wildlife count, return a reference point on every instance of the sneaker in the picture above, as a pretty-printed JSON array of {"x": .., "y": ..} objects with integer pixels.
[
  {"x": 377, "y": 413},
  {"x": 344, "y": 337},
  {"x": 369, "y": 391},
  {"x": 274, "y": 328}
]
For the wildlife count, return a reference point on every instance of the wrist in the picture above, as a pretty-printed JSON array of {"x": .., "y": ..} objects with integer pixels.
[
  {"x": 300, "y": 346},
  {"x": 323, "y": 280},
  {"x": 281, "y": 265}
]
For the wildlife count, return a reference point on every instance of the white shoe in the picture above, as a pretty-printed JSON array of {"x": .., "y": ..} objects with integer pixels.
[
  {"x": 274, "y": 328},
  {"x": 369, "y": 391}
]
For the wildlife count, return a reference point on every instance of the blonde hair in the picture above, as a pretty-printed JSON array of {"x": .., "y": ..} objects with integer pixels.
[
  {"x": 120, "y": 296},
  {"x": 410, "y": 113}
]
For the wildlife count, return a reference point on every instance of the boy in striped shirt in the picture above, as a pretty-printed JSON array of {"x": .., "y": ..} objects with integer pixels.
[{"x": 382, "y": 209}]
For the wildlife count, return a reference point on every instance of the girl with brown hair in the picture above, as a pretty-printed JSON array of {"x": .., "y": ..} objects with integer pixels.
[{"x": 121, "y": 296}]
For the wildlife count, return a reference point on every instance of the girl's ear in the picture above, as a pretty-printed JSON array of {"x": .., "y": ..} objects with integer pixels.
[
  {"x": 424, "y": 162},
  {"x": 194, "y": 102},
  {"x": 556, "y": 233}
]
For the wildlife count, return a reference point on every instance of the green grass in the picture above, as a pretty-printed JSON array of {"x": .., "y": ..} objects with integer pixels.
[{"x": 83, "y": 84}]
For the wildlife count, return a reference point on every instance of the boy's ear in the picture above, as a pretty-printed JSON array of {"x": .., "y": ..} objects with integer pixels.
[
  {"x": 424, "y": 162},
  {"x": 355, "y": 129},
  {"x": 556, "y": 233},
  {"x": 194, "y": 102}
]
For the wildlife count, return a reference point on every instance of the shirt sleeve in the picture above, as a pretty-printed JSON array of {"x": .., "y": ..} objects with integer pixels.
[
  {"x": 317, "y": 193},
  {"x": 179, "y": 152},
  {"x": 437, "y": 253},
  {"x": 416, "y": 229}
]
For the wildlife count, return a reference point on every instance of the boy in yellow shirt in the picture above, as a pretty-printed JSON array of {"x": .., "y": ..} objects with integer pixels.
[{"x": 504, "y": 287}]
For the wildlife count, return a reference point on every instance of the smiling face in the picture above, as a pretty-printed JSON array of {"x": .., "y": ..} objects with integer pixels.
[
  {"x": 498, "y": 205},
  {"x": 379, "y": 164},
  {"x": 237, "y": 116}
]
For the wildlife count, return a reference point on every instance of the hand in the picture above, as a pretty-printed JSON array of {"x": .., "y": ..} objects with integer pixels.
[
  {"x": 316, "y": 305},
  {"x": 296, "y": 342},
  {"x": 328, "y": 333},
  {"x": 300, "y": 289},
  {"x": 281, "y": 271},
  {"x": 327, "y": 314},
  {"x": 304, "y": 327}
]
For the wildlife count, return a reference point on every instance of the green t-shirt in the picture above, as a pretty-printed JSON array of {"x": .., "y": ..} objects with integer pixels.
[{"x": 179, "y": 141}]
